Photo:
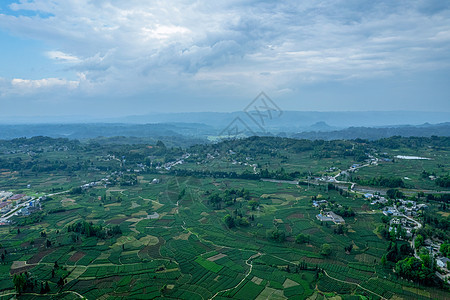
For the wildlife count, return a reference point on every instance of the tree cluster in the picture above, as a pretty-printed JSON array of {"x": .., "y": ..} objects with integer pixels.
[
  {"x": 414, "y": 269},
  {"x": 445, "y": 249},
  {"x": 395, "y": 253},
  {"x": 390, "y": 182},
  {"x": 443, "y": 181},
  {"x": 302, "y": 238},
  {"x": 276, "y": 235},
  {"x": 89, "y": 229}
]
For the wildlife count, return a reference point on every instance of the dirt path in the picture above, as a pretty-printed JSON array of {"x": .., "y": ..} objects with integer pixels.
[
  {"x": 245, "y": 277},
  {"x": 357, "y": 284},
  {"x": 35, "y": 294}
]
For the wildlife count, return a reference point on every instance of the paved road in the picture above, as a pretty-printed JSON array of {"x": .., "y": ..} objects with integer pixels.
[
  {"x": 16, "y": 209},
  {"x": 8, "y": 215},
  {"x": 280, "y": 181}
]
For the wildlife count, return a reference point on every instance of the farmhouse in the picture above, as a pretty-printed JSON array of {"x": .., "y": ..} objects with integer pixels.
[
  {"x": 5, "y": 195},
  {"x": 24, "y": 211},
  {"x": 5, "y": 206},
  {"x": 391, "y": 211},
  {"x": 377, "y": 199},
  {"x": 442, "y": 262},
  {"x": 317, "y": 203},
  {"x": 17, "y": 197},
  {"x": 330, "y": 217}
]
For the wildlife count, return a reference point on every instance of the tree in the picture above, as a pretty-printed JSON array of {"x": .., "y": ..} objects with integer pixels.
[
  {"x": 339, "y": 229},
  {"x": 445, "y": 249},
  {"x": 76, "y": 191},
  {"x": 406, "y": 250},
  {"x": 302, "y": 238},
  {"x": 414, "y": 269},
  {"x": 418, "y": 242},
  {"x": 393, "y": 253},
  {"x": 276, "y": 235},
  {"x": 242, "y": 221},
  {"x": 427, "y": 261},
  {"x": 443, "y": 181},
  {"x": 19, "y": 282},
  {"x": 160, "y": 144},
  {"x": 60, "y": 282},
  {"x": 325, "y": 250},
  {"x": 229, "y": 221},
  {"x": 394, "y": 194},
  {"x": 181, "y": 194},
  {"x": 348, "y": 248},
  {"x": 253, "y": 204}
]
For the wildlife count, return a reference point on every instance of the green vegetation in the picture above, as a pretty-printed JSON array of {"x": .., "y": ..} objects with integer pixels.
[
  {"x": 415, "y": 269},
  {"x": 325, "y": 250},
  {"x": 235, "y": 219},
  {"x": 445, "y": 249},
  {"x": 209, "y": 265}
]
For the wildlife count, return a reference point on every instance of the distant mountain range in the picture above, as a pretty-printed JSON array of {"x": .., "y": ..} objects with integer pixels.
[
  {"x": 273, "y": 121},
  {"x": 290, "y": 121},
  {"x": 371, "y": 133},
  {"x": 188, "y": 133}
]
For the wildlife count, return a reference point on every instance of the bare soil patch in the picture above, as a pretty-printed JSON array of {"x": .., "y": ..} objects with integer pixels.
[
  {"x": 257, "y": 280},
  {"x": 216, "y": 257},
  {"x": 18, "y": 264},
  {"x": 67, "y": 202},
  {"x": 20, "y": 270},
  {"x": 134, "y": 204},
  {"x": 296, "y": 216},
  {"x": 183, "y": 236},
  {"x": 116, "y": 221},
  {"x": 288, "y": 227},
  {"x": 77, "y": 256},
  {"x": 164, "y": 221},
  {"x": 312, "y": 231},
  {"x": 289, "y": 283},
  {"x": 38, "y": 256}
]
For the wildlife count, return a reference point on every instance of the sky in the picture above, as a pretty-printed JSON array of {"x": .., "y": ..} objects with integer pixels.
[{"x": 110, "y": 58}]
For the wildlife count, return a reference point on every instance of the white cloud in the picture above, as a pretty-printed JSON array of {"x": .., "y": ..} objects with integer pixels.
[
  {"x": 63, "y": 57},
  {"x": 20, "y": 86},
  {"x": 134, "y": 46}
]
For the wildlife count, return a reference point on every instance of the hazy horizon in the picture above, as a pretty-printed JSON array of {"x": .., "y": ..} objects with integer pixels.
[{"x": 295, "y": 119}]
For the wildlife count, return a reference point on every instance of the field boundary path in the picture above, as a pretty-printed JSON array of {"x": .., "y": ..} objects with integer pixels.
[
  {"x": 42, "y": 295},
  {"x": 357, "y": 284},
  {"x": 245, "y": 277}
]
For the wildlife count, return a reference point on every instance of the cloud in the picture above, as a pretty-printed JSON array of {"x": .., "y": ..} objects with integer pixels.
[
  {"x": 63, "y": 57},
  {"x": 136, "y": 46},
  {"x": 24, "y": 87},
  {"x": 43, "y": 83}
]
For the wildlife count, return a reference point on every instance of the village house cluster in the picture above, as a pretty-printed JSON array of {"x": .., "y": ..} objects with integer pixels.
[
  {"x": 17, "y": 204},
  {"x": 406, "y": 208}
]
